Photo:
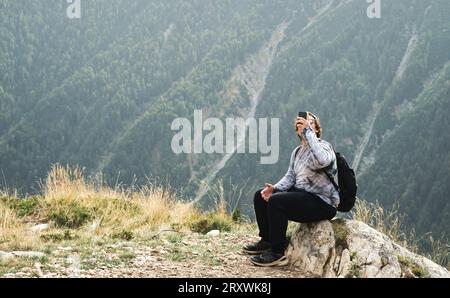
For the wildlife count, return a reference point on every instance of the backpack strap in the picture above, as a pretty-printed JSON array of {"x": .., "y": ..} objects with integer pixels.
[
  {"x": 336, "y": 186},
  {"x": 296, "y": 151}
]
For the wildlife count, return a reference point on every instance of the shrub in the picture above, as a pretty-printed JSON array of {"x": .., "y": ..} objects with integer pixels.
[
  {"x": 70, "y": 216},
  {"x": 341, "y": 232},
  {"x": 211, "y": 221},
  {"x": 417, "y": 270},
  {"x": 236, "y": 216},
  {"x": 58, "y": 236},
  {"x": 23, "y": 207},
  {"x": 123, "y": 234},
  {"x": 354, "y": 271}
]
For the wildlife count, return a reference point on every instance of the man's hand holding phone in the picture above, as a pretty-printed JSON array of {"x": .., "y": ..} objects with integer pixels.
[
  {"x": 301, "y": 122},
  {"x": 267, "y": 192}
]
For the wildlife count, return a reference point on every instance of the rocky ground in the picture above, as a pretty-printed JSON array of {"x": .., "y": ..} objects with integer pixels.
[
  {"x": 340, "y": 248},
  {"x": 170, "y": 254}
]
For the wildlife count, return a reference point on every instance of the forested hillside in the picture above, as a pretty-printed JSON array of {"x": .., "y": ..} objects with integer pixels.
[{"x": 102, "y": 91}]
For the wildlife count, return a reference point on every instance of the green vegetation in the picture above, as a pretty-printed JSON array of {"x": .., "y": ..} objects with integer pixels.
[
  {"x": 25, "y": 207},
  {"x": 123, "y": 234},
  {"x": 174, "y": 238},
  {"x": 354, "y": 271},
  {"x": 72, "y": 216},
  {"x": 127, "y": 257},
  {"x": 102, "y": 93},
  {"x": 212, "y": 221},
  {"x": 417, "y": 270},
  {"x": 58, "y": 236},
  {"x": 237, "y": 216},
  {"x": 340, "y": 233},
  {"x": 17, "y": 264}
]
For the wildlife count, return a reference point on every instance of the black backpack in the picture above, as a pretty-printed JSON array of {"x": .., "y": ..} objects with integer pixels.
[{"x": 346, "y": 186}]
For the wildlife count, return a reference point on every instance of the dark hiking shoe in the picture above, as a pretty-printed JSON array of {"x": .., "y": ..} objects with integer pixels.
[
  {"x": 257, "y": 248},
  {"x": 270, "y": 259}
]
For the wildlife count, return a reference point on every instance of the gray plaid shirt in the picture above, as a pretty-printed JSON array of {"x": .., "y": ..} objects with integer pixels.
[{"x": 306, "y": 170}]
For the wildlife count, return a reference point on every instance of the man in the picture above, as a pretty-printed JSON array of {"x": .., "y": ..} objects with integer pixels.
[{"x": 305, "y": 194}]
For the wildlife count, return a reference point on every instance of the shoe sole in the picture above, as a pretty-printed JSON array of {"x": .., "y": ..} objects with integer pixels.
[
  {"x": 278, "y": 263},
  {"x": 254, "y": 252}
]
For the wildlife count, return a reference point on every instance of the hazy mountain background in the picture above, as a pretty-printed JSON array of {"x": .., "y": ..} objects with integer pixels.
[{"x": 102, "y": 91}]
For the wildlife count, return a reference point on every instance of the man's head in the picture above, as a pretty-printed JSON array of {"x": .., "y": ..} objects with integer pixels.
[{"x": 313, "y": 120}]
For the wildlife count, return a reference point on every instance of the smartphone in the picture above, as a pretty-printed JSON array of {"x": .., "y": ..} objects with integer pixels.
[{"x": 303, "y": 115}]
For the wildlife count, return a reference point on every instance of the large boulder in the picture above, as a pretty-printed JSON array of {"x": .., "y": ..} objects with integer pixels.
[
  {"x": 312, "y": 248},
  {"x": 350, "y": 248}
]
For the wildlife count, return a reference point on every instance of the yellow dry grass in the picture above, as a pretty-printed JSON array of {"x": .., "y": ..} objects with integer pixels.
[
  {"x": 391, "y": 223},
  {"x": 69, "y": 201},
  {"x": 13, "y": 232}
]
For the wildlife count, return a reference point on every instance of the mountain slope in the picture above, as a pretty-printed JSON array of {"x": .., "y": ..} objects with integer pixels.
[{"x": 102, "y": 92}]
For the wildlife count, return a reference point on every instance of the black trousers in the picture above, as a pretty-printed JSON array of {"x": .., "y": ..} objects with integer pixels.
[{"x": 295, "y": 204}]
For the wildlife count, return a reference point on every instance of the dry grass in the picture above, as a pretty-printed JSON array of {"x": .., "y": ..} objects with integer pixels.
[
  {"x": 111, "y": 209},
  {"x": 70, "y": 202},
  {"x": 13, "y": 232},
  {"x": 388, "y": 222},
  {"x": 8, "y": 219},
  {"x": 391, "y": 223},
  {"x": 83, "y": 210}
]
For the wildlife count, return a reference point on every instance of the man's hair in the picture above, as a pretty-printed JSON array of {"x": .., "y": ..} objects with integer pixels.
[{"x": 317, "y": 122}]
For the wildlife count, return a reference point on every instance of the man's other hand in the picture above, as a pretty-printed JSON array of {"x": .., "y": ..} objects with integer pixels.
[{"x": 267, "y": 192}]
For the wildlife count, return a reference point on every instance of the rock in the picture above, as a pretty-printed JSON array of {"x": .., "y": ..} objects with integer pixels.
[
  {"x": 408, "y": 273},
  {"x": 421, "y": 263},
  {"x": 213, "y": 233},
  {"x": 38, "y": 268},
  {"x": 312, "y": 248},
  {"x": 74, "y": 267},
  {"x": 26, "y": 254},
  {"x": 346, "y": 248},
  {"x": 344, "y": 265},
  {"x": 337, "y": 261},
  {"x": 40, "y": 228},
  {"x": 371, "y": 249}
]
